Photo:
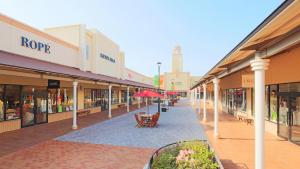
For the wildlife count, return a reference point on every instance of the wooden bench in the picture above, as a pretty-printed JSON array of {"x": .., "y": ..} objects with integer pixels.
[{"x": 83, "y": 112}]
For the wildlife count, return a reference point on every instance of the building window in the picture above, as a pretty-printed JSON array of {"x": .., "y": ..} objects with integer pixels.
[
  {"x": 12, "y": 99},
  {"x": 60, "y": 100},
  {"x": 115, "y": 96},
  {"x": 1, "y": 102},
  {"x": 267, "y": 103},
  {"x": 273, "y": 103},
  {"x": 241, "y": 99}
]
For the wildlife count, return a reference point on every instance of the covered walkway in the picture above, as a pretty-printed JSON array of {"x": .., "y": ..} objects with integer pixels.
[{"x": 235, "y": 145}]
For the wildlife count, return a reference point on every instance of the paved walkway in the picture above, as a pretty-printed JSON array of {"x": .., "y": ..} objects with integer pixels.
[
  {"x": 179, "y": 123},
  {"x": 236, "y": 145},
  {"x": 110, "y": 144},
  {"x": 26, "y": 137}
]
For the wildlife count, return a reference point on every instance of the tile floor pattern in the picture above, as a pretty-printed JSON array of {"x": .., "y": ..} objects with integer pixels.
[{"x": 179, "y": 123}]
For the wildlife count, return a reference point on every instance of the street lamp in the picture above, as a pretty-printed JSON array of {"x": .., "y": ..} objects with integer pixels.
[{"x": 158, "y": 64}]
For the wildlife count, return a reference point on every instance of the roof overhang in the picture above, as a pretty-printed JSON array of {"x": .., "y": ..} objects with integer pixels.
[{"x": 39, "y": 66}]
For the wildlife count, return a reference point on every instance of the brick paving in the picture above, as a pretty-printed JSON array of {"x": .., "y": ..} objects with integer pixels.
[
  {"x": 19, "y": 139},
  {"x": 235, "y": 147},
  {"x": 69, "y": 155}
]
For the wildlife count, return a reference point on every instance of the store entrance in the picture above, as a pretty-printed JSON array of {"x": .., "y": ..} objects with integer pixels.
[
  {"x": 289, "y": 116},
  {"x": 34, "y": 105}
]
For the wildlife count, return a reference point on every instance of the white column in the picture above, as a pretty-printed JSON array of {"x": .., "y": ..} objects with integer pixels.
[
  {"x": 109, "y": 101},
  {"x": 199, "y": 90},
  {"x": 259, "y": 66},
  {"x": 139, "y": 99},
  {"x": 128, "y": 99},
  {"x": 216, "y": 113},
  {"x": 75, "y": 84},
  {"x": 192, "y": 96},
  {"x": 204, "y": 102}
]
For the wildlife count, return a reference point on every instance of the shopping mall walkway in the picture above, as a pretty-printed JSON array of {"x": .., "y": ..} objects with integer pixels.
[
  {"x": 235, "y": 147},
  {"x": 111, "y": 144}
]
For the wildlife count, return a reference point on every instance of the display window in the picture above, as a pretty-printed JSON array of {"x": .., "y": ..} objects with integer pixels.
[
  {"x": 12, "y": 99},
  {"x": 52, "y": 100},
  {"x": 60, "y": 100},
  {"x": 115, "y": 96},
  {"x": 267, "y": 102},
  {"x": 1, "y": 102},
  {"x": 34, "y": 105},
  {"x": 65, "y": 99},
  {"x": 273, "y": 103},
  {"x": 241, "y": 99},
  {"x": 97, "y": 98}
]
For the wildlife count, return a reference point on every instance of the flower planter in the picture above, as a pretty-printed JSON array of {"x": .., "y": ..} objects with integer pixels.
[{"x": 177, "y": 146}]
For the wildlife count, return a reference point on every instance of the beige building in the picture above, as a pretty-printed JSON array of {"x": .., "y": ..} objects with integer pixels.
[
  {"x": 51, "y": 75},
  {"x": 178, "y": 80}
]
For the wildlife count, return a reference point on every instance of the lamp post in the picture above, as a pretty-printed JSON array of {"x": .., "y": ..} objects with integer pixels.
[{"x": 158, "y": 64}]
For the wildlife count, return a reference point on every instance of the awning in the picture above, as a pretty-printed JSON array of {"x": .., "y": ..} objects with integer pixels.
[{"x": 18, "y": 61}]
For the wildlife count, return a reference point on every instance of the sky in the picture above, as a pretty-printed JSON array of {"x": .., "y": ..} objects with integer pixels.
[{"x": 148, "y": 30}]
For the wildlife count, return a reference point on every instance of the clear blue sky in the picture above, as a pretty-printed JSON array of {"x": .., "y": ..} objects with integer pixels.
[{"x": 147, "y": 30}]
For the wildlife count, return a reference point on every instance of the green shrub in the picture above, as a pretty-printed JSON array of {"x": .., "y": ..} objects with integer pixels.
[{"x": 188, "y": 155}]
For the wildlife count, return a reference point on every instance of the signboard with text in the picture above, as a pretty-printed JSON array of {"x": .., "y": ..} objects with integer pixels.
[{"x": 248, "y": 81}]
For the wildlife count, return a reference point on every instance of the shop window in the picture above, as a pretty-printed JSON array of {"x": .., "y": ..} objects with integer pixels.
[
  {"x": 92, "y": 98},
  {"x": 1, "y": 102},
  {"x": 60, "y": 100},
  {"x": 65, "y": 102},
  {"x": 267, "y": 103},
  {"x": 241, "y": 99},
  {"x": 28, "y": 104},
  {"x": 52, "y": 103},
  {"x": 12, "y": 99},
  {"x": 115, "y": 96},
  {"x": 224, "y": 98},
  {"x": 87, "y": 98},
  {"x": 273, "y": 103}
]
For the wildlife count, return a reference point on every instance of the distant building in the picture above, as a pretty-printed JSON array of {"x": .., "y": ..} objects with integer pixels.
[{"x": 177, "y": 80}]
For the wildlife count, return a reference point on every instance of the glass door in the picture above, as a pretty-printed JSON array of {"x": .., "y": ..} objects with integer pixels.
[
  {"x": 41, "y": 105},
  {"x": 28, "y": 104},
  {"x": 295, "y": 118},
  {"x": 34, "y": 105}
]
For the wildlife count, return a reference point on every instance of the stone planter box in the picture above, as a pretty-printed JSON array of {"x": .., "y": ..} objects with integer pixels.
[{"x": 162, "y": 149}]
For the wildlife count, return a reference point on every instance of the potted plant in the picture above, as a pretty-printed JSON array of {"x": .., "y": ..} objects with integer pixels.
[{"x": 185, "y": 155}]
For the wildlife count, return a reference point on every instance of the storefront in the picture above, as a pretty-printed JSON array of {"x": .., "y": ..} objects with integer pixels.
[
  {"x": 259, "y": 79},
  {"x": 42, "y": 78}
]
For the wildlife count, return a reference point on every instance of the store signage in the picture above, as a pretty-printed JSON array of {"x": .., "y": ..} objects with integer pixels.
[
  {"x": 53, "y": 84},
  {"x": 248, "y": 81},
  {"x": 35, "y": 45},
  {"x": 103, "y": 56}
]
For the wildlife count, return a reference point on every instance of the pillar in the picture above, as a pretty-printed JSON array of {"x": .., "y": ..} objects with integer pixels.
[
  {"x": 109, "y": 101},
  {"x": 216, "y": 113},
  {"x": 204, "y": 102},
  {"x": 120, "y": 95},
  {"x": 199, "y": 103},
  {"x": 75, "y": 84},
  {"x": 139, "y": 99},
  {"x": 259, "y": 66},
  {"x": 192, "y": 96},
  {"x": 128, "y": 99}
]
